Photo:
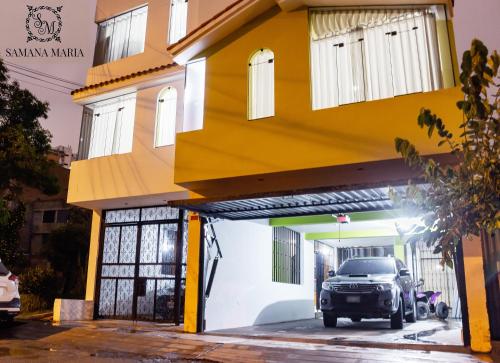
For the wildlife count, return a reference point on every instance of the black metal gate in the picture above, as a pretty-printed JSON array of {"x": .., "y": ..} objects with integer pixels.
[
  {"x": 426, "y": 266},
  {"x": 142, "y": 265}
]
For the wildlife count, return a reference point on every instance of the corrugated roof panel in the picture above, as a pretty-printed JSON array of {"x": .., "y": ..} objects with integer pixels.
[{"x": 333, "y": 202}]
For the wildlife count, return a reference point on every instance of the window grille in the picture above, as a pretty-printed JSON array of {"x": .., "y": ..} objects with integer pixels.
[{"x": 286, "y": 256}]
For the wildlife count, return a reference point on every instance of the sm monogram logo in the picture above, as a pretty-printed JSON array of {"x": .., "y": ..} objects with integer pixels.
[{"x": 44, "y": 24}]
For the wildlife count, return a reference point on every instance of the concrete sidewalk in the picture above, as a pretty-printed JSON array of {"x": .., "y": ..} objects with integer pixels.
[{"x": 109, "y": 341}]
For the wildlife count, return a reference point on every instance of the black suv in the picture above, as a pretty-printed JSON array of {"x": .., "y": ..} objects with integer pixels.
[{"x": 373, "y": 287}]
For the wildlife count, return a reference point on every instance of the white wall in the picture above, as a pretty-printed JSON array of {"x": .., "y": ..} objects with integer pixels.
[{"x": 243, "y": 293}]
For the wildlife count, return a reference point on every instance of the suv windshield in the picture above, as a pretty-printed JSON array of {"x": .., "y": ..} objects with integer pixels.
[
  {"x": 3, "y": 270},
  {"x": 367, "y": 267}
]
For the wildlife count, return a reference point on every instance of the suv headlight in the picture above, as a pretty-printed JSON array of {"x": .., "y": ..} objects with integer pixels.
[
  {"x": 327, "y": 285},
  {"x": 385, "y": 286}
]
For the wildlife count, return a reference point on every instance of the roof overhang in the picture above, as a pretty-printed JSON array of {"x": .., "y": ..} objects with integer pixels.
[
  {"x": 241, "y": 12},
  {"x": 217, "y": 28},
  {"x": 128, "y": 84},
  {"x": 289, "y": 205}
]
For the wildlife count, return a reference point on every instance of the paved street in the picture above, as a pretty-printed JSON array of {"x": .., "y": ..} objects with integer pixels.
[{"x": 109, "y": 341}]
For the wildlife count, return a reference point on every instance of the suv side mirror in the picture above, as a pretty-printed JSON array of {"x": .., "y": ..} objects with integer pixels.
[
  {"x": 331, "y": 273},
  {"x": 404, "y": 272}
]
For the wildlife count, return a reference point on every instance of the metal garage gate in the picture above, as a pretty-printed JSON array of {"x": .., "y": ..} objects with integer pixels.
[
  {"x": 142, "y": 265},
  {"x": 426, "y": 266}
]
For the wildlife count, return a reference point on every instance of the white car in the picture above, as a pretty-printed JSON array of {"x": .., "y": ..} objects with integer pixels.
[{"x": 10, "y": 301}]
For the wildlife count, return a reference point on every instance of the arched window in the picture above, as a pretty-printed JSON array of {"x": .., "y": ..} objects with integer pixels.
[
  {"x": 165, "y": 117},
  {"x": 261, "y": 84}
]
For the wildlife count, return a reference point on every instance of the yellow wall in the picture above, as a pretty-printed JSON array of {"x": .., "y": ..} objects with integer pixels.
[
  {"x": 297, "y": 137},
  {"x": 200, "y": 11},
  {"x": 192, "y": 274},
  {"x": 144, "y": 176},
  {"x": 399, "y": 248},
  {"x": 145, "y": 173},
  {"x": 93, "y": 255},
  {"x": 155, "y": 50},
  {"x": 476, "y": 295}
]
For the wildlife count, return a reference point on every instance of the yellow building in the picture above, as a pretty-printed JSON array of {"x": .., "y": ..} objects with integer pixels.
[
  {"x": 133, "y": 93},
  {"x": 279, "y": 111}
]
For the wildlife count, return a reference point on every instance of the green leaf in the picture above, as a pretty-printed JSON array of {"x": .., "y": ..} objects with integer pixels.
[
  {"x": 449, "y": 263},
  {"x": 430, "y": 130},
  {"x": 461, "y": 199}
]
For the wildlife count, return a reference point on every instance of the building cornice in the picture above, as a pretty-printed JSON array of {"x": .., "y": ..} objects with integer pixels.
[
  {"x": 218, "y": 27},
  {"x": 205, "y": 23},
  {"x": 124, "y": 78}
]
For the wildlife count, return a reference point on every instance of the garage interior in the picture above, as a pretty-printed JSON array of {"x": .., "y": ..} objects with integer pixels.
[{"x": 266, "y": 257}]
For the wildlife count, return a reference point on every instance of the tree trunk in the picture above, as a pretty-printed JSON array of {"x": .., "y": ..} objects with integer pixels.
[
  {"x": 491, "y": 263},
  {"x": 462, "y": 292}
]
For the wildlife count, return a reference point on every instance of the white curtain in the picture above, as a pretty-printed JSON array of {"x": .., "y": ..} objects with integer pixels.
[
  {"x": 328, "y": 23},
  {"x": 124, "y": 129},
  {"x": 261, "y": 85},
  {"x": 119, "y": 40},
  {"x": 102, "y": 130},
  {"x": 194, "y": 95},
  {"x": 112, "y": 126},
  {"x": 102, "y": 49},
  {"x": 366, "y": 55},
  {"x": 121, "y": 36},
  {"x": 166, "y": 117},
  {"x": 178, "y": 20},
  {"x": 138, "y": 24}
]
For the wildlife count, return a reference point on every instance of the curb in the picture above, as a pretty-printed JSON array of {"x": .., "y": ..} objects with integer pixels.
[{"x": 42, "y": 316}]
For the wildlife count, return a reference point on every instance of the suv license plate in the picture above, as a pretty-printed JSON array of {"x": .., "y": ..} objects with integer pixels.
[{"x": 353, "y": 299}]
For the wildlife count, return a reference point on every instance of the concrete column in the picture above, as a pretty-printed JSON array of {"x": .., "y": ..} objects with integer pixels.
[
  {"x": 192, "y": 274},
  {"x": 476, "y": 295},
  {"x": 335, "y": 258},
  {"x": 399, "y": 248},
  {"x": 93, "y": 255}
]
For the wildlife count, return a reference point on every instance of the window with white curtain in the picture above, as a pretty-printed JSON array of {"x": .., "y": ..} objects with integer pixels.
[
  {"x": 362, "y": 55},
  {"x": 112, "y": 126},
  {"x": 194, "y": 95},
  {"x": 178, "y": 20},
  {"x": 121, "y": 36},
  {"x": 166, "y": 117},
  {"x": 261, "y": 85}
]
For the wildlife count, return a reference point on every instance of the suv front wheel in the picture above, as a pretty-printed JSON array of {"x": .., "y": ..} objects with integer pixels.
[
  {"x": 412, "y": 317},
  {"x": 397, "y": 317},
  {"x": 329, "y": 320}
]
